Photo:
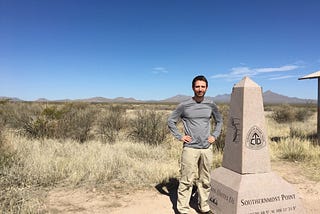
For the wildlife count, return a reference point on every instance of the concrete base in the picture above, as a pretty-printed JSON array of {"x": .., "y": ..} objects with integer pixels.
[{"x": 260, "y": 193}]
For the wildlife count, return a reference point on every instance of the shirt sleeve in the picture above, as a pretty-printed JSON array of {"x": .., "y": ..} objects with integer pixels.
[
  {"x": 218, "y": 121},
  {"x": 173, "y": 119}
]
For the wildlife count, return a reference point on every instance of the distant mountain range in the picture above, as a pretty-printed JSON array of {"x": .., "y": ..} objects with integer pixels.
[{"x": 269, "y": 97}]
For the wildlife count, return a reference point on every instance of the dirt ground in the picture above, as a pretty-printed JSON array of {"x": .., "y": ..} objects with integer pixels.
[{"x": 162, "y": 198}]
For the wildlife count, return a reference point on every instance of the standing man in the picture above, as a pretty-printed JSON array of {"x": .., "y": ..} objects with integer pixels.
[{"x": 197, "y": 155}]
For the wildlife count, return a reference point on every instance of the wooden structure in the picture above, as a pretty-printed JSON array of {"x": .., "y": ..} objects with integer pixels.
[{"x": 315, "y": 75}]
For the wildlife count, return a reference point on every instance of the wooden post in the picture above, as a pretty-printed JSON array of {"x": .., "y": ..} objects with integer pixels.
[
  {"x": 318, "y": 117},
  {"x": 316, "y": 75}
]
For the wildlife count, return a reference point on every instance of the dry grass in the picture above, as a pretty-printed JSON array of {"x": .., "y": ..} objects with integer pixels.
[
  {"x": 47, "y": 162},
  {"x": 296, "y": 142}
]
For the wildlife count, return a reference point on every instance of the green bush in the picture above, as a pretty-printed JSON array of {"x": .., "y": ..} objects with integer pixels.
[
  {"x": 76, "y": 122},
  {"x": 37, "y": 127},
  {"x": 110, "y": 122},
  {"x": 149, "y": 127},
  {"x": 58, "y": 121},
  {"x": 288, "y": 114}
]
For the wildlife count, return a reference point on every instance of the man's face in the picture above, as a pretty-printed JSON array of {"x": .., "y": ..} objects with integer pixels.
[{"x": 200, "y": 88}]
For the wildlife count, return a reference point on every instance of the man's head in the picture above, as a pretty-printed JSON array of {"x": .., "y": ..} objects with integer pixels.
[
  {"x": 201, "y": 78},
  {"x": 199, "y": 87}
]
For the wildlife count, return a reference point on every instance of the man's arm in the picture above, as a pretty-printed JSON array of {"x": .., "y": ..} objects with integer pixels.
[
  {"x": 172, "y": 121},
  {"x": 218, "y": 121}
]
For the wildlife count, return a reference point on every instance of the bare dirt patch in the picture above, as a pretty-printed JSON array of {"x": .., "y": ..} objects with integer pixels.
[
  {"x": 308, "y": 190},
  {"x": 162, "y": 199}
]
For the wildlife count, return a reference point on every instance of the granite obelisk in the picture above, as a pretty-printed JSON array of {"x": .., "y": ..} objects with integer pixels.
[{"x": 245, "y": 184}]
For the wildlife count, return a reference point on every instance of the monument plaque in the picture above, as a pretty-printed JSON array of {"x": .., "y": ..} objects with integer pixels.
[{"x": 245, "y": 184}]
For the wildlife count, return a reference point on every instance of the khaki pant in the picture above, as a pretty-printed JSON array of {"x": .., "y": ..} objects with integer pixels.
[{"x": 195, "y": 168}]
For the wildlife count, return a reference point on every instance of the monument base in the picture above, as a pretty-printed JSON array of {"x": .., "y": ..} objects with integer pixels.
[{"x": 260, "y": 193}]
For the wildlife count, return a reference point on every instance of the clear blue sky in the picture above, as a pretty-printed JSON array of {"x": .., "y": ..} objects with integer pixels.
[{"x": 152, "y": 49}]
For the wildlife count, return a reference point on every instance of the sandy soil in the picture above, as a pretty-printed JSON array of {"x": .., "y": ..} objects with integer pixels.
[{"x": 162, "y": 198}]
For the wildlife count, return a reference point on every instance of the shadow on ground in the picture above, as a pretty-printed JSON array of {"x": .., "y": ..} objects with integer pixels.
[{"x": 170, "y": 188}]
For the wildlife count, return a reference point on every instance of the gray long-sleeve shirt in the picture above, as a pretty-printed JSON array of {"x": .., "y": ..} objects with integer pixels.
[{"x": 196, "y": 121}]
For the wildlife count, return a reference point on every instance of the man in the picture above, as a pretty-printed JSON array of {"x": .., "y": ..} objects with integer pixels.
[{"x": 197, "y": 155}]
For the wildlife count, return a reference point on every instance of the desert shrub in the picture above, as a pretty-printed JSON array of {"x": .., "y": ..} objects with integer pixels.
[
  {"x": 71, "y": 120},
  {"x": 283, "y": 114},
  {"x": 36, "y": 127},
  {"x": 44, "y": 124},
  {"x": 220, "y": 142},
  {"x": 287, "y": 114},
  {"x": 52, "y": 113},
  {"x": 76, "y": 121},
  {"x": 303, "y": 113},
  {"x": 150, "y": 127},
  {"x": 17, "y": 115},
  {"x": 110, "y": 122}
]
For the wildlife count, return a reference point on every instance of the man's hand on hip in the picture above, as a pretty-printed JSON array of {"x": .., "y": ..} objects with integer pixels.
[
  {"x": 186, "y": 139},
  {"x": 211, "y": 139}
]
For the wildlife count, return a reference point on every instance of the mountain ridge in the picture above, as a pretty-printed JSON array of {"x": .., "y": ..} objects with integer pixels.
[{"x": 269, "y": 97}]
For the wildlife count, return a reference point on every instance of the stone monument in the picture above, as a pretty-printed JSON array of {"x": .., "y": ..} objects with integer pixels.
[{"x": 245, "y": 184}]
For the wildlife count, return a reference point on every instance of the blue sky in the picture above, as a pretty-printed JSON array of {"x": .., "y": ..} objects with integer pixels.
[{"x": 152, "y": 49}]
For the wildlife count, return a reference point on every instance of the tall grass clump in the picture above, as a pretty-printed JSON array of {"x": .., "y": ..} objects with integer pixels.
[
  {"x": 149, "y": 126},
  {"x": 301, "y": 151},
  {"x": 15, "y": 195},
  {"x": 292, "y": 149}
]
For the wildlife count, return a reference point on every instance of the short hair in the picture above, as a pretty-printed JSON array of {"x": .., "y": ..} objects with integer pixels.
[{"x": 197, "y": 78}]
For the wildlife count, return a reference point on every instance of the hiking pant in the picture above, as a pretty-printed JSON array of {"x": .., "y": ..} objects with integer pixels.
[{"x": 195, "y": 168}]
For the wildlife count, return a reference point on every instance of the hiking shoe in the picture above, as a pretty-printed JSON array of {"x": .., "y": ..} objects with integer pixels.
[{"x": 208, "y": 212}]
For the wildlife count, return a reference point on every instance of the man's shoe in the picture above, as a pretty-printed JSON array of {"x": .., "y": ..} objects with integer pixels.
[{"x": 208, "y": 212}]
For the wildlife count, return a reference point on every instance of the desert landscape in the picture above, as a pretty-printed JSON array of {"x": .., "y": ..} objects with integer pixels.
[{"x": 82, "y": 157}]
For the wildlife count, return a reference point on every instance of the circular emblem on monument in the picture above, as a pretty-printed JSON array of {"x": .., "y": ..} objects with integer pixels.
[{"x": 255, "y": 138}]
